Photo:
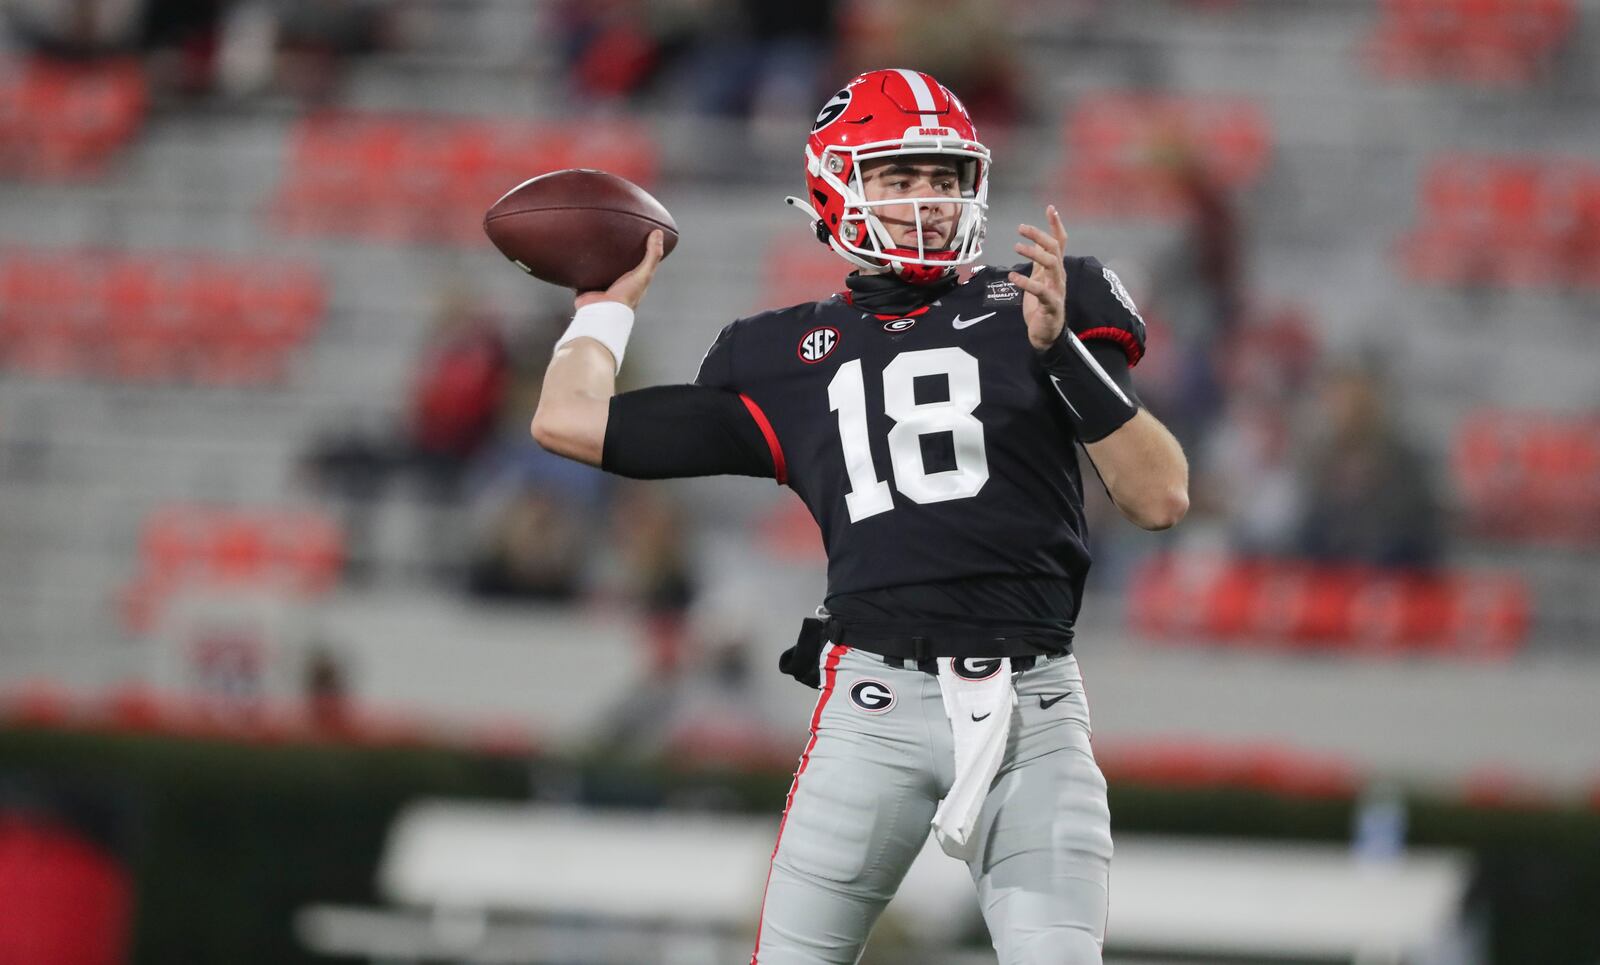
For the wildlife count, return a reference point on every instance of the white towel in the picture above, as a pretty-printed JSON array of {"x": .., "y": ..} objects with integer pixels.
[{"x": 980, "y": 721}]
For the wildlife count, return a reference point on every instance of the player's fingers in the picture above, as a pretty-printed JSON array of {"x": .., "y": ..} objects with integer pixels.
[
  {"x": 1032, "y": 286},
  {"x": 1057, "y": 228},
  {"x": 655, "y": 248},
  {"x": 645, "y": 270},
  {"x": 1049, "y": 268},
  {"x": 1046, "y": 241}
]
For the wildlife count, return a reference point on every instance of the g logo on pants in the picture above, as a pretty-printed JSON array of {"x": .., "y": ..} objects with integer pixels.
[
  {"x": 975, "y": 668},
  {"x": 872, "y": 696}
]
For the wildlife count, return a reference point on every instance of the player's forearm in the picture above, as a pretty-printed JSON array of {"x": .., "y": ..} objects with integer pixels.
[
  {"x": 1145, "y": 471},
  {"x": 575, "y": 402}
]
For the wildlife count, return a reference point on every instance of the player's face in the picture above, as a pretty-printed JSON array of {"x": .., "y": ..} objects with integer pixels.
[{"x": 914, "y": 177}]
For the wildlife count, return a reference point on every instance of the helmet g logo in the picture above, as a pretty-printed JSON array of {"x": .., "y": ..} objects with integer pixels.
[
  {"x": 830, "y": 111},
  {"x": 872, "y": 696},
  {"x": 818, "y": 343}
]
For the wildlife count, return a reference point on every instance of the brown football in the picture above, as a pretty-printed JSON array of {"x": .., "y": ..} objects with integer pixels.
[{"x": 580, "y": 228}]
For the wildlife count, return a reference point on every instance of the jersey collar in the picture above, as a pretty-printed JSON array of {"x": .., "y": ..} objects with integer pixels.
[{"x": 889, "y": 297}]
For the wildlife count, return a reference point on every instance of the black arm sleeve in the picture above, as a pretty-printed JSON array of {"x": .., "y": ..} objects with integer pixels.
[
  {"x": 1114, "y": 360},
  {"x": 672, "y": 431}
]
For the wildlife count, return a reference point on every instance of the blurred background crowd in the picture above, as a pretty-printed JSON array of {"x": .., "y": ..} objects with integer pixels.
[{"x": 267, "y": 488}]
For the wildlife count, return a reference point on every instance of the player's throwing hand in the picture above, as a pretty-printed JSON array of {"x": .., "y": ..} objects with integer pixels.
[
  {"x": 1045, "y": 291},
  {"x": 629, "y": 289}
]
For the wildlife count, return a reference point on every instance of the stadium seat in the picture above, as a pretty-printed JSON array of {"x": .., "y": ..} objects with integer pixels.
[
  {"x": 66, "y": 121},
  {"x": 1529, "y": 477},
  {"x": 1297, "y": 605},
  {"x": 1524, "y": 222},
  {"x": 422, "y": 178},
  {"x": 1478, "y": 41},
  {"x": 153, "y": 317},
  {"x": 294, "y": 552},
  {"x": 1125, "y": 152}
]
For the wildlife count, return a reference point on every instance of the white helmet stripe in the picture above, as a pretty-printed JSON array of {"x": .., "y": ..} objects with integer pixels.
[{"x": 924, "y": 96}]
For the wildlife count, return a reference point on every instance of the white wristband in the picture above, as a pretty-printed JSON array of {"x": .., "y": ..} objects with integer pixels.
[{"x": 608, "y": 323}]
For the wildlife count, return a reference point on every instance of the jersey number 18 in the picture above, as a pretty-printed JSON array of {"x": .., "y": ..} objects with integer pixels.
[{"x": 847, "y": 396}]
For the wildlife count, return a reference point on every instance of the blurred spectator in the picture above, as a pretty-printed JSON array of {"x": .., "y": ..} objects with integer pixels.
[
  {"x": 1245, "y": 476},
  {"x": 1368, "y": 493},
  {"x": 76, "y": 28},
  {"x": 183, "y": 38},
  {"x": 612, "y": 48},
  {"x": 1245, "y": 472},
  {"x": 534, "y": 549},
  {"x": 650, "y": 534},
  {"x": 314, "y": 36},
  {"x": 1213, "y": 241},
  {"x": 1201, "y": 288},
  {"x": 458, "y": 389},
  {"x": 758, "y": 59},
  {"x": 732, "y": 58},
  {"x": 350, "y": 465},
  {"x": 529, "y": 512},
  {"x": 954, "y": 40},
  {"x": 327, "y": 691}
]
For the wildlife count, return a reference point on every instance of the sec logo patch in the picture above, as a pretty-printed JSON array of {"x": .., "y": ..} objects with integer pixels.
[{"x": 818, "y": 343}]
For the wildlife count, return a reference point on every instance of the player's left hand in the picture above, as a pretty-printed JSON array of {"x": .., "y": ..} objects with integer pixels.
[{"x": 1044, "y": 299}]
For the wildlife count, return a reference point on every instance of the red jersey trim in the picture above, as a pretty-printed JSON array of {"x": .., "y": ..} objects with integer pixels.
[
  {"x": 850, "y": 299},
  {"x": 1130, "y": 345},
  {"x": 830, "y": 673},
  {"x": 780, "y": 468}
]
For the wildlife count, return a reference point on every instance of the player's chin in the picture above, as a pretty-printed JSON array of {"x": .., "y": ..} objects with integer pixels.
[{"x": 929, "y": 245}]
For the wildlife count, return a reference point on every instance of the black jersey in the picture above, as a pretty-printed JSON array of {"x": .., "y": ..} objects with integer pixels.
[{"x": 931, "y": 448}]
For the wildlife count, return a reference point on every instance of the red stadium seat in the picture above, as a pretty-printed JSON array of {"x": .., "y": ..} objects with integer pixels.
[
  {"x": 1530, "y": 477},
  {"x": 294, "y": 552},
  {"x": 420, "y": 178},
  {"x": 1481, "y": 41},
  {"x": 1290, "y": 604},
  {"x": 60, "y": 120},
  {"x": 153, "y": 317},
  {"x": 1516, "y": 222},
  {"x": 1125, "y": 151}
]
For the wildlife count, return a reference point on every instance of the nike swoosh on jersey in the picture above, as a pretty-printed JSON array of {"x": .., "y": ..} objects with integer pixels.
[
  {"x": 959, "y": 322},
  {"x": 1058, "y": 698}
]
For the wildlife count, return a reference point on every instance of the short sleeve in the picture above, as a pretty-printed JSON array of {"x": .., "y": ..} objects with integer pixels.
[
  {"x": 716, "y": 368},
  {"x": 1100, "y": 308}
]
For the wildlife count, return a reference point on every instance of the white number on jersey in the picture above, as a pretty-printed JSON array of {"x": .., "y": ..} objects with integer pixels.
[{"x": 847, "y": 396}]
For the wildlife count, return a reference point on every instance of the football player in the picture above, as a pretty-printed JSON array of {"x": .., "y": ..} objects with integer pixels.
[{"x": 929, "y": 423}]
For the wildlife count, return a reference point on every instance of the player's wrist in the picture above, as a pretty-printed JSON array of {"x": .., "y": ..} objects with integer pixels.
[
  {"x": 1096, "y": 405},
  {"x": 608, "y": 322}
]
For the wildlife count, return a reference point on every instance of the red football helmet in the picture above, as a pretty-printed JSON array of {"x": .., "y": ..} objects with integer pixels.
[{"x": 885, "y": 113}]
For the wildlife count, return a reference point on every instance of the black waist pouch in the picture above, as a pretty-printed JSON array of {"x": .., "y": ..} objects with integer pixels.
[{"x": 803, "y": 660}]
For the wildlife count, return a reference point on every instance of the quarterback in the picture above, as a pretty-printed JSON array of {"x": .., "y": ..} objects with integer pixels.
[{"x": 929, "y": 419}]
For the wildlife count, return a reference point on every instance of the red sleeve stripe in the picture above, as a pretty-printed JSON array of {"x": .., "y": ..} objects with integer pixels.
[
  {"x": 780, "y": 469},
  {"x": 1129, "y": 344}
]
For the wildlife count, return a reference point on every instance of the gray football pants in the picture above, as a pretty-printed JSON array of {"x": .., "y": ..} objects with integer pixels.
[{"x": 877, "y": 764}]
